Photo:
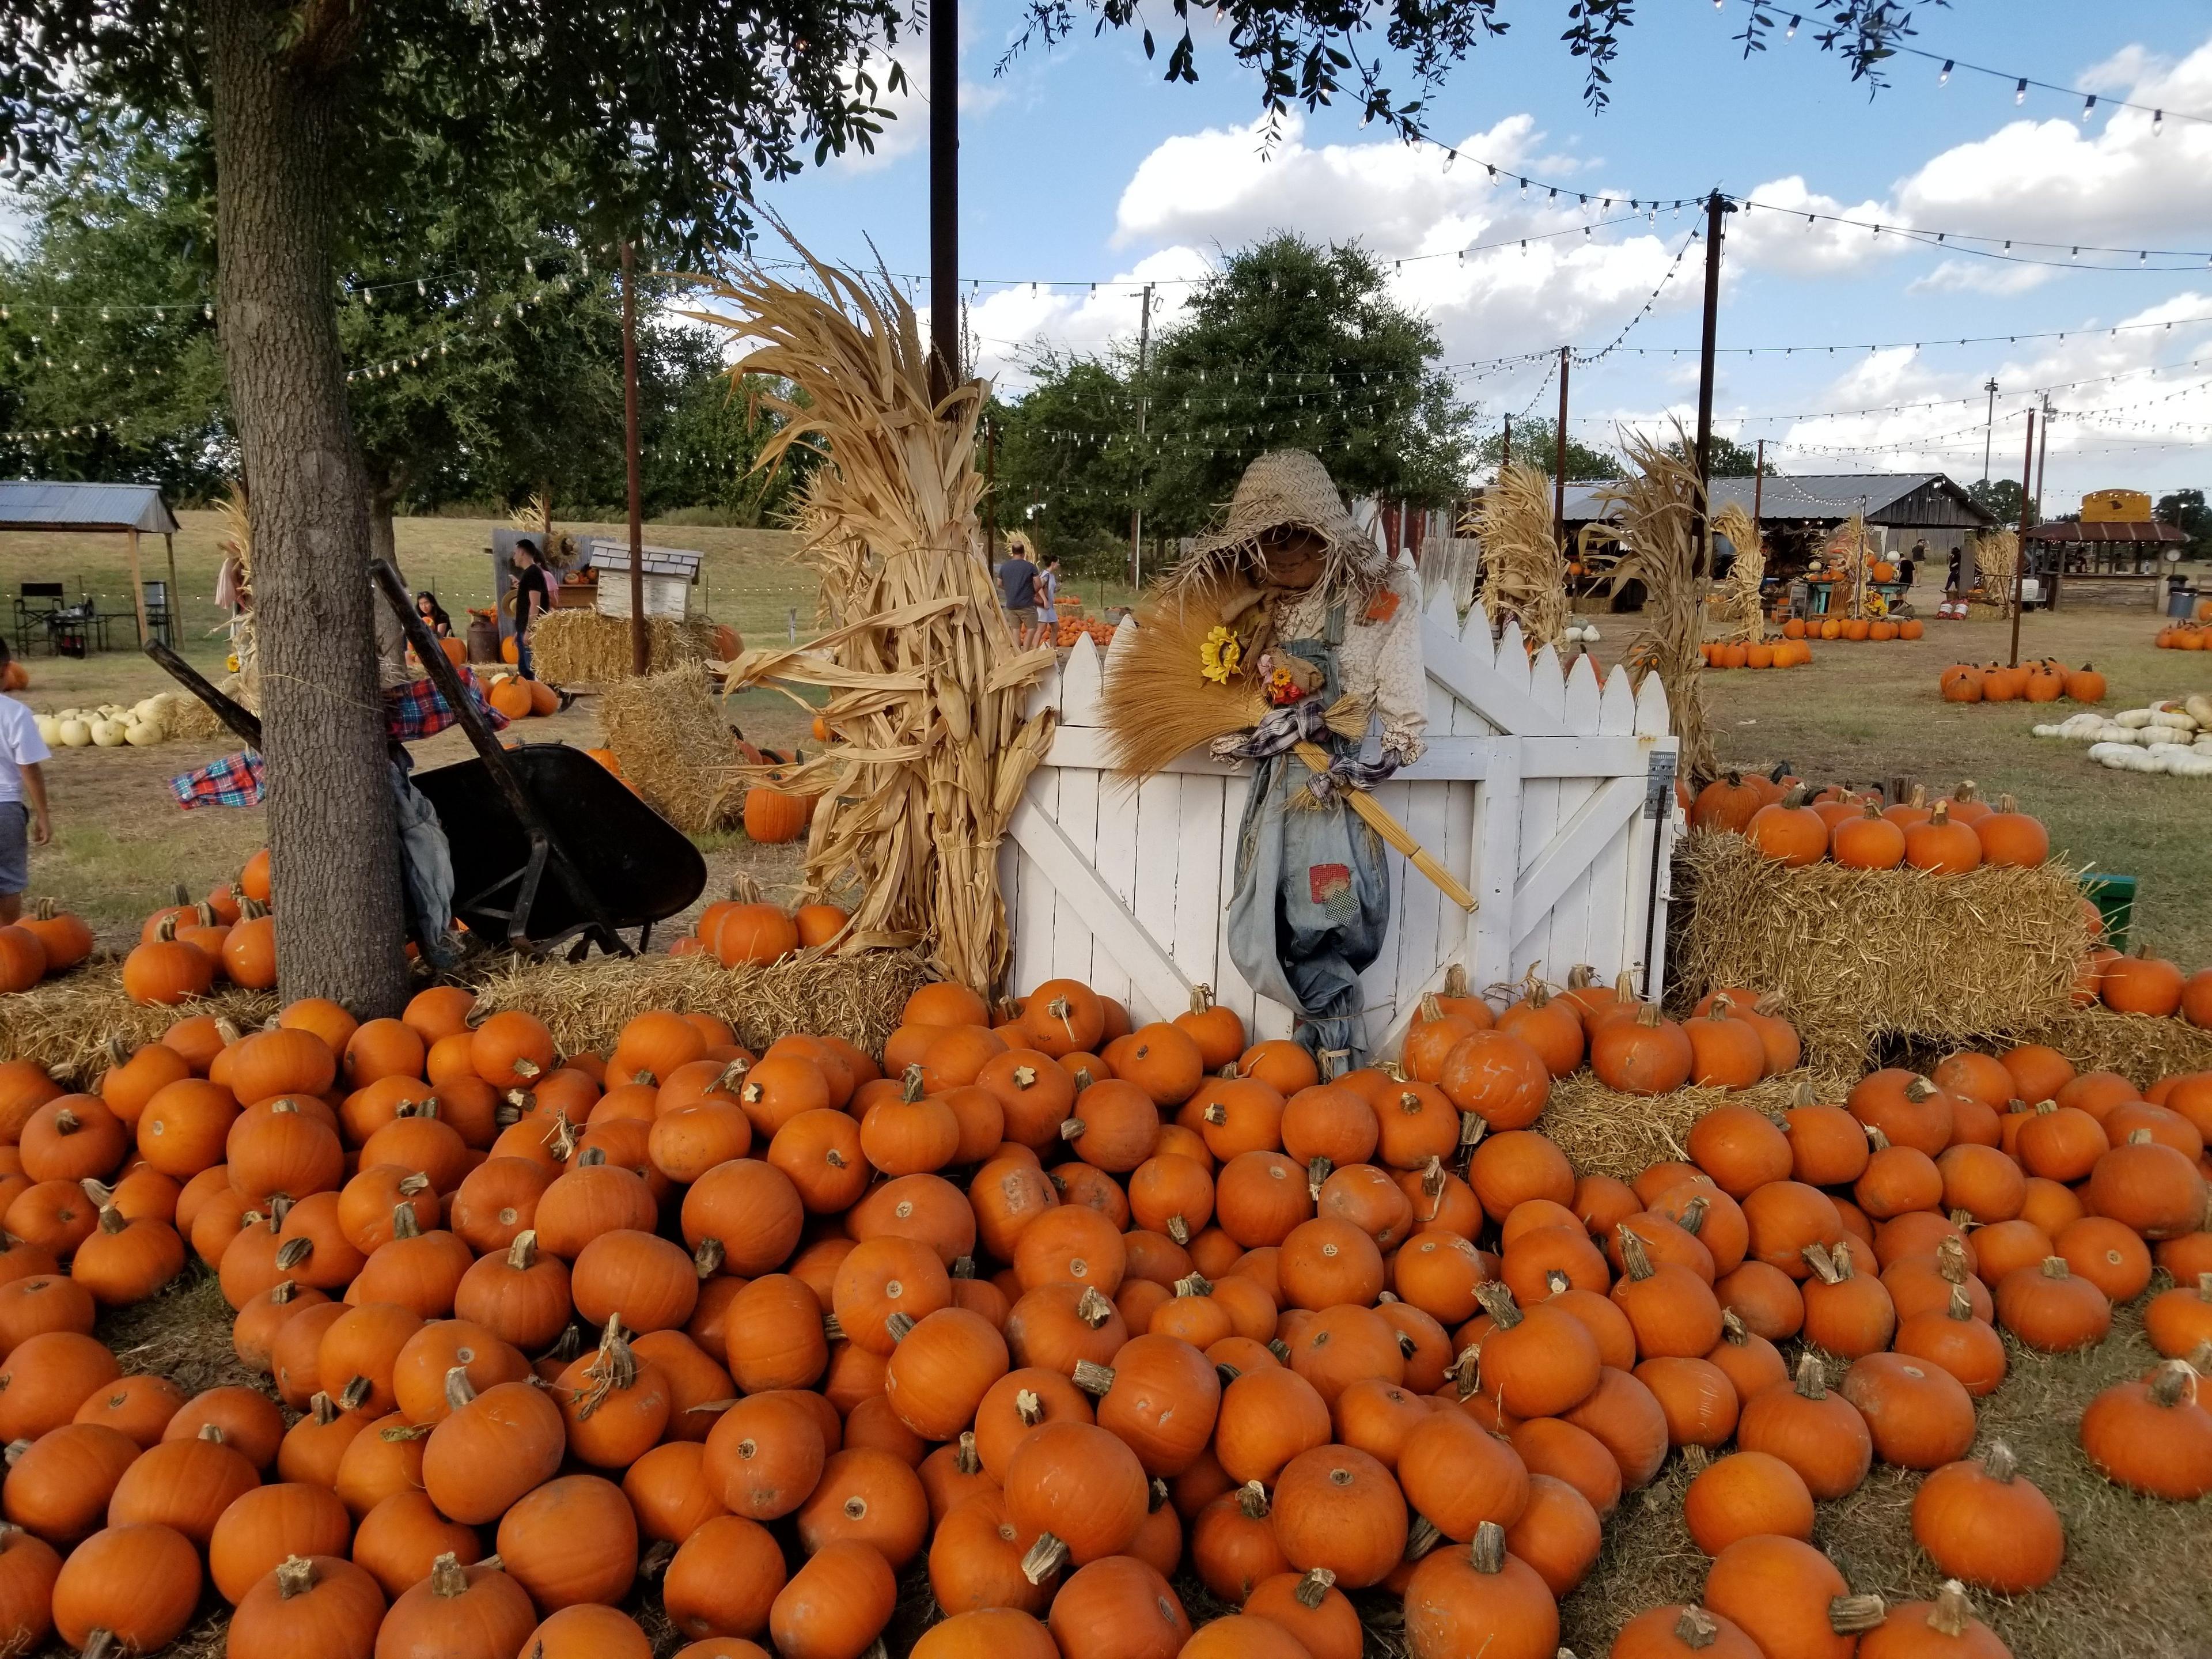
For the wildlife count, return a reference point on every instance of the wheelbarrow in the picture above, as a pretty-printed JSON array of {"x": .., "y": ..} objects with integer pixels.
[{"x": 548, "y": 847}]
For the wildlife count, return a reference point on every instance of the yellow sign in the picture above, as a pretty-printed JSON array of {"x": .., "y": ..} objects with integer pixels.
[{"x": 2116, "y": 506}]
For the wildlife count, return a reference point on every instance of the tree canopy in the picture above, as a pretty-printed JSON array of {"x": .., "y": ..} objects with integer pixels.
[
  {"x": 1290, "y": 345},
  {"x": 1537, "y": 444}
]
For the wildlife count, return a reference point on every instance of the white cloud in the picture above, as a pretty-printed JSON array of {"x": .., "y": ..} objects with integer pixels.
[
  {"x": 1982, "y": 276},
  {"x": 1776, "y": 235},
  {"x": 1011, "y": 326}
]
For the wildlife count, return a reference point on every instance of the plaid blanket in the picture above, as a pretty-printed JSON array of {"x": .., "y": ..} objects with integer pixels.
[{"x": 411, "y": 712}]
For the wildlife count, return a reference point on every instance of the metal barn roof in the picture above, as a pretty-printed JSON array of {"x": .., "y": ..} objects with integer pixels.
[
  {"x": 38, "y": 504},
  {"x": 608, "y": 554},
  {"x": 2108, "y": 530},
  {"x": 1907, "y": 501}
]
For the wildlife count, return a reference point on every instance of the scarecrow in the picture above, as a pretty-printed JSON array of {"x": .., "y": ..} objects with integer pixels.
[{"x": 1287, "y": 638}]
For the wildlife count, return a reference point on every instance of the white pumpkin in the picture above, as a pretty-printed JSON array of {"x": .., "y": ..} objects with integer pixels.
[
  {"x": 107, "y": 734},
  {"x": 73, "y": 731},
  {"x": 144, "y": 734},
  {"x": 49, "y": 729},
  {"x": 2132, "y": 717},
  {"x": 67, "y": 715}
]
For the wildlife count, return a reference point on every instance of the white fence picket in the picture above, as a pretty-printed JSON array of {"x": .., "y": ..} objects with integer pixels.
[{"x": 1532, "y": 792}]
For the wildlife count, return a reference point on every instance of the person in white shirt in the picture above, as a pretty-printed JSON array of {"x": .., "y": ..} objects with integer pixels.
[{"x": 23, "y": 824}]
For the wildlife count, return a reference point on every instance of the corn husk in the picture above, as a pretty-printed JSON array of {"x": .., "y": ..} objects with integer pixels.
[
  {"x": 933, "y": 740},
  {"x": 1735, "y": 601},
  {"x": 1648, "y": 520},
  {"x": 1524, "y": 566},
  {"x": 675, "y": 749}
]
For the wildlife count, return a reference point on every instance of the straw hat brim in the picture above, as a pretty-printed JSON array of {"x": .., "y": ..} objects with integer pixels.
[{"x": 1283, "y": 489}]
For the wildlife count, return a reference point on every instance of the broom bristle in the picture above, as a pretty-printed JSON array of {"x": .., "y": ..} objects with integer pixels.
[{"x": 1156, "y": 702}]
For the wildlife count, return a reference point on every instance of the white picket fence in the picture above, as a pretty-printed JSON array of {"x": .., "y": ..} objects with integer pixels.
[{"x": 1547, "y": 792}]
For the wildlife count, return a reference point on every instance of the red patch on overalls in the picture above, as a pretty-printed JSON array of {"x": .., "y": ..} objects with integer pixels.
[
  {"x": 1329, "y": 881},
  {"x": 1382, "y": 607}
]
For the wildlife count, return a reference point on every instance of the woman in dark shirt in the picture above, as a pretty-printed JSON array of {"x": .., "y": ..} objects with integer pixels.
[{"x": 428, "y": 608}]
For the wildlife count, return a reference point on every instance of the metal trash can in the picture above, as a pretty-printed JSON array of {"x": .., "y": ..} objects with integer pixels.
[{"x": 2180, "y": 602}]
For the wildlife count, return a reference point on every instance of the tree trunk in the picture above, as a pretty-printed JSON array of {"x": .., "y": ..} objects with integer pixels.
[
  {"x": 333, "y": 834},
  {"x": 386, "y": 484}
]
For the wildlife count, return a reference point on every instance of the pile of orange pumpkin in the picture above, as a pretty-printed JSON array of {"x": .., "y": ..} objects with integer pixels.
[
  {"x": 2043, "y": 680},
  {"x": 2140, "y": 983},
  {"x": 522, "y": 699},
  {"x": 1800, "y": 826},
  {"x": 1068, "y": 630},
  {"x": 1852, "y": 628},
  {"x": 1054, "y": 1310},
  {"x": 2184, "y": 637},
  {"x": 184, "y": 948},
  {"x": 738, "y": 931},
  {"x": 44, "y": 940},
  {"x": 1788, "y": 652}
]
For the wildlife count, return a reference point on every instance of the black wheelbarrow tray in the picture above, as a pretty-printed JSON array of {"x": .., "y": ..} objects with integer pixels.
[{"x": 547, "y": 845}]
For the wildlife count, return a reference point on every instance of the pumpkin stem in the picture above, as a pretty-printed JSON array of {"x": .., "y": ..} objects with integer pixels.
[
  {"x": 356, "y": 1393},
  {"x": 459, "y": 1391},
  {"x": 1876, "y": 1139},
  {"x": 1280, "y": 1348},
  {"x": 211, "y": 1431},
  {"x": 1092, "y": 1377},
  {"x": 1961, "y": 1306},
  {"x": 1951, "y": 1258},
  {"x": 1193, "y": 1284},
  {"x": 112, "y": 1220},
  {"x": 590, "y": 1158},
  {"x": 898, "y": 1325},
  {"x": 1734, "y": 1331},
  {"x": 1823, "y": 1264},
  {"x": 296, "y": 1576},
  {"x": 447, "y": 1577},
  {"x": 1029, "y": 1408},
  {"x": 1046, "y": 1557},
  {"x": 1422, "y": 1536},
  {"x": 1252, "y": 1500},
  {"x": 706, "y": 1259},
  {"x": 280, "y": 1206},
  {"x": 1811, "y": 1381},
  {"x": 2054, "y": 1266},
  {"x": 1201, "y": 998},
  {"x": 2175, "y": 1378},
  {"x": 1456, "y": 979},
  {"x": 1432, "y": 1180},
  {"x": 966, "y": 1459},
  {"x": 1635, "y": 1258},
  {"x": 1692, "y": 1219},
  {"x": 99, "y": 1644},
  {"x": 323, "y": 1408},
  {"x": 15, "y": 1451},
  {"x": 1696, "y": 1628},
  {"x": 833, "y": 1329},
  {"x": 1648, "y": 1017},
  {"x": 1854, "y": 1615},
  {"x": 1488, "y": 1552},
  {"x": 1999, "y": 1464},
  {"x": 522, "y": 1253},
  {"x": 1920, "y": 1088},
  {"x": 1952, "y": 1612},
  {"x": 1431, "y": 1009},
  {"x": 614, "y": 1369},
  {"x": 404, "y": 1223},
  {"x": 1497, "y": 1302},
  {"x": 289, "y": 1254},
  {"x": 1093, "y": 1308},
  {"x": 1313, "y": 1589}
]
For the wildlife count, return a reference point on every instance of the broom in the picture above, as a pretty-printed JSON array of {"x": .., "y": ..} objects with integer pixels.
[{"x": 1155, "y": 709}]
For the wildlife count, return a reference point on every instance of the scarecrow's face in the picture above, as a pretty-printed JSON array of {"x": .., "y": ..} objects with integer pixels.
[{"x": 1294, "y": 556}]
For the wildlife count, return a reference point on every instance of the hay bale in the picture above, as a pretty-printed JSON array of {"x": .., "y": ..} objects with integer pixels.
[
  {"x": 1855, "y": 956},
  {"x": 1605, "y": 1133},
  {"x": 66, "y": 1023},
  {"x": 570, "y": 647},
  {"x": 2139, "y": 1046},
  {"x": 668, "y": 733},
  {"x": 586, "y": 1004},
  {"x": 190, "y": 720}
]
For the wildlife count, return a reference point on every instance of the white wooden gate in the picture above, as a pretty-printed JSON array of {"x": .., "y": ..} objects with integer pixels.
[{"x": 1548, "y": 792}]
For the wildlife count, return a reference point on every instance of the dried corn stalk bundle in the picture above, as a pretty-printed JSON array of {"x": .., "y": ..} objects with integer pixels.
[
  {"x": 1735, "y": 600},
  {"x": 931, "y": 743},
  {"x": 1651, "y": 515},
  {"x": 1524, "y": 568},
  {"x": 1996, "y": 561},
  {"x": 234, "y": 536},
  {"x": 1853, "y": 549}
]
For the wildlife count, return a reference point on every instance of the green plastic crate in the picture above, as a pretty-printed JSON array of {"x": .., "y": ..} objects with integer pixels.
[{"x": 2115, "y": 899}]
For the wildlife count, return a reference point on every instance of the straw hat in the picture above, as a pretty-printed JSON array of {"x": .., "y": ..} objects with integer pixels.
[{"x": 1284, "y": 489}]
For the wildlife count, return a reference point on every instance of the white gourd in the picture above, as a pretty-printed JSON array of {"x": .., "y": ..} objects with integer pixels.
[
  {"x": 107, "y": 734},
  {"x": 2132, "y": 717},
  {"x": 2189, "y": 764},
  {"x": 1589, "y": 632},
  {"x": 144, "y": 734},
  {"x": 2200, "y": 706},
  {"x": 75, "y": 733},
  {"x": 49, "y": 729}
]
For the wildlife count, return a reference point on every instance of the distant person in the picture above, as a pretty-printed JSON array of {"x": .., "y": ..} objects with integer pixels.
[
  {"x": 434, "y": 614},
  {"x": 1047, "y": 611},
  {"x": 21, "y": 827},
  {"x": 1951, "y": 581},
  {"x": 533, "y": 597},
  {"x": 1018, "y": 592}
]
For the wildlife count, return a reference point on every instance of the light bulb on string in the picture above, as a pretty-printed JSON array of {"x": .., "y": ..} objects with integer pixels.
[
  {"x": 1944, "y": 78},
  {"x": 2019, "y": 92}
]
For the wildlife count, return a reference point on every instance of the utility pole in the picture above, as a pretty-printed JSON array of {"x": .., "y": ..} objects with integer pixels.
[
  {"x": 2020, "y": 564},
  {"x": 1505, "y": 450},
  {"x": 1990, "y": 426},
  {"x": 944, "y": 198},
  {"x": 1716, "y": 205},
  {"x": 640, "y": 647},
  {"x": 1758, "y": 488},
  {"x": 2042, "y": 457},
  {"x": 1559, "y": 466},
  {"x": 1137, "y": 512}
]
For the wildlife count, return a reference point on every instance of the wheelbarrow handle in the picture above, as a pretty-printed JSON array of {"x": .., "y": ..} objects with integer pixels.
[{"x": 233, "y": 714}]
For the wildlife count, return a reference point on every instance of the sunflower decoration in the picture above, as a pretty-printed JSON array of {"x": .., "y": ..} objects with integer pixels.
[{"x": 1220, "y": 656}]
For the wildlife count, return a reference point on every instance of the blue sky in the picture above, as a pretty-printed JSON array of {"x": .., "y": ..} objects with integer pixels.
[{"x": 1079, "y": 166}]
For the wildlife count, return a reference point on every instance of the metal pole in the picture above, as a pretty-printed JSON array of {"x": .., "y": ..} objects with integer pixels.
[
  {"x": 2020, "y": 564},
  {"x": 1716, "y": 206},
  {"x": 1505, "y": 450},
  {"x": 2042, "y": 458},
  {"x": 944, "y": 196},
  {"x": 641, "y": 649},
  {"x": 1137, "y": 512},
  {"x": 1989, "y": 427},
  {"x": 1560, "y": 466},
  {"x": 1757, "y": 496}
]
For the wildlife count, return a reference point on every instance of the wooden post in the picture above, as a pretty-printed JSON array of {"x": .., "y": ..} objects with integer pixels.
[
  {"x": 137, "y": 585},
  {"x": 945, "y": 364},
  {"x": 176, "y": 598},
  {"x": 1716, "y": 205},
  {"x": 641, "y": 646},
  {"x": 2020, "y": 564},
  {"x": 1559, "y": 456}
]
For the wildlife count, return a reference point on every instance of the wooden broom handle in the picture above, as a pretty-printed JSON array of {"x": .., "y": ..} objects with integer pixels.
[{"x": 1392, "y": 832}]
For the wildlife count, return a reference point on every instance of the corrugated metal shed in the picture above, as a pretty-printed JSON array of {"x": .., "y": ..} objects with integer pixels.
[
  {"x": 608, "y": 554},
  {"x": 37, "y": 504},
  {"x": 1906, "y": 501},
  {"x": 2108, "y": 530}
]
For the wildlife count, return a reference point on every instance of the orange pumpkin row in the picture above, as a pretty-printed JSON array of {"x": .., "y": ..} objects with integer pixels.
[
  {"x": 1788, "y": 653},
  {"x": 2044, "y": 681},
  {"x": 1854, "y": 629}
]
